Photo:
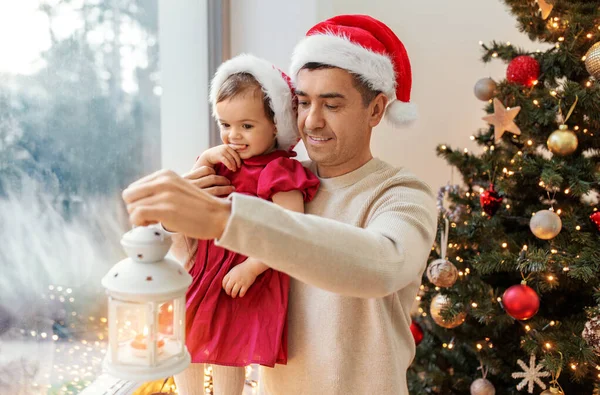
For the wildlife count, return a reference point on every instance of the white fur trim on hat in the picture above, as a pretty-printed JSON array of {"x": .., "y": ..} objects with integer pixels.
[
  {"x": 273, "y": 85},
  {"x": 375, "y": 69},
  {"x": 401, "y": 113}
]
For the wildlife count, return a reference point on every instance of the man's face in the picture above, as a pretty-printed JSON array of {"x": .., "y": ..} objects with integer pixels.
[{"x": 333, "y": 121}]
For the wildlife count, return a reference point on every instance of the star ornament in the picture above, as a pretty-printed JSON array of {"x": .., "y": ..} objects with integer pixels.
[
  {"x": 531, "y": 375},
  {"x": 503, "y": 120},
  {"x": 545, "y": 8}
]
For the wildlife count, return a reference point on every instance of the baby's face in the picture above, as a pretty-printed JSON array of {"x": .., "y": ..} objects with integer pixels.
[{"x": 245, "y": 126}]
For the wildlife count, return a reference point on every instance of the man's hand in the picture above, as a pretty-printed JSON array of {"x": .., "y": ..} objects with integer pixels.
[
  {"x": 180, "y": 206},
  {"x": 240, "y": 278},
  {"x": 222, "y": 154},
  {"x": 205, "y": 178}
]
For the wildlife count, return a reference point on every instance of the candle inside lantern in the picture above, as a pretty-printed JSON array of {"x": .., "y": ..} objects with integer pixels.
[
  {"x": 139, "y": 345},
  {"x": 165, "y": 319}
]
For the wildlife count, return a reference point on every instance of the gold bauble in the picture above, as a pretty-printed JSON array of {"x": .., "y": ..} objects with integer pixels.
[
  {"x": 553, "y": 391},
  {"x": 442, "y": 273},
  {"x": 562, "y": 141},
  {"x": 545, "y": 224},
  {"x": 482, "y": 387},
  {"x": 439, "y": 302},
  {"x": 592, "y": 61}
]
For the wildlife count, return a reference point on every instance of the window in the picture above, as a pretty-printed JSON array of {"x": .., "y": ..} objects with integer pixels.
[{"x": 79, "y": 120}]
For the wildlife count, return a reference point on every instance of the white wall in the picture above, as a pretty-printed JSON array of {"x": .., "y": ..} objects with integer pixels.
[{"x": 442, "y": 42}]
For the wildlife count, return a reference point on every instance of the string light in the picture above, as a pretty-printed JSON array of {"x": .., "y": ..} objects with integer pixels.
[
  {"x": 548, "y": 346},
  {"x": 474, "y": 305},
  {"x": 504, "y": 245},
  {"x": 479, "y": 346},
  {"x": 527, "y": 328},
  {"x": 550, "y": 278}
]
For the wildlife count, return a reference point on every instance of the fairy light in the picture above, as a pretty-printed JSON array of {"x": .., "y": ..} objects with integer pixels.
[
  {"x": 588, "y": 84},
  {"x": 472, "y": 138},
  {"x": 527, "y": 328},
  {"x": 466, "y": 151},
  {"x": 567, "y": 191},
  {"x": 553, "y": 93},
  {"x": 550, "y": 278},
  {"x": 548, "y": 346},
  {"x": 481, "y": 190},
  {"x": 583, "y": 58},
  {"x": 554, "y": 251},
  {"x": 578, "y": 227},
  {"x": 566, "y": 269},
  {"x": 561, "y": 39},
  {"x": 558, "y": 212},
  {"x": 461, "y": 273},
  {"x": 479, "y": 346},
  {"x": 467, "y": 270},
  {"x": 589, "y": 35},
  {"x": 499, "y": 299},
  {"x": 504, "y": 245},
  {"x": 536, "y": 102},
  {"x": 474, "y": 305},
  {"x": 480, "y": 42},
  {"x": 495, "y": 55},
  {"x": 552, "y": 323},
  {"x": 418, "y": 298},
  {"x": 574, "y": 366},
  {"x": 508, "y": 43},
  {"x": 535, "y": 82},
  {"x": 529, "y": 142},
  {"x": 443, "y": 147},
  {"x": 520, "y": 153}
]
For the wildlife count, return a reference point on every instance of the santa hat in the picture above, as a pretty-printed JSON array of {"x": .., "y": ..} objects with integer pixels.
[
  {"x": 274, "y": 83},
  {"x": 365, "y": 47}
]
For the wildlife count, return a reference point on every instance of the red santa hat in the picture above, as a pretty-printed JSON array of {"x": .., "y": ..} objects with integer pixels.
[
  {"x": 365, "y": 47},
  {"x": 274, "y": 83}
]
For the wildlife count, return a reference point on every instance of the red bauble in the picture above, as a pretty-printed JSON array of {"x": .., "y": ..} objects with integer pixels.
[
  {"x": 417, "y": 332},
  {"x": 490, "y": 201},
  {"x": 595, "y": 218},
  {"x": 521, "y": 302},
  {"x": 523, "y": 70}
]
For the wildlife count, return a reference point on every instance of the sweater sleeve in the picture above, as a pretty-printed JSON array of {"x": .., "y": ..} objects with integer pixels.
[{"x": 384, "y": 256}]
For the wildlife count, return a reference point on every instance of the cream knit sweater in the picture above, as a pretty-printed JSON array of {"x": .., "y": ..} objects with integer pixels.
[{"x": 356, "y": 262}]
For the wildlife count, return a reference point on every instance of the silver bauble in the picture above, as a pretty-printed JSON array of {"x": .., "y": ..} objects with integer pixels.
[
  {"x": 485, "y": 89},
  {"x": 591, "y": 334},
  {"x": 592, "y": 61},
  {"x": 482, "y": 387},
  {"x": 442, "y": 273},
  {"x": 545, "y": 224}
]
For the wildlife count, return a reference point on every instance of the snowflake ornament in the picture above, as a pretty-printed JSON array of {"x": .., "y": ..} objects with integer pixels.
[{"x": 531, "y": 375}]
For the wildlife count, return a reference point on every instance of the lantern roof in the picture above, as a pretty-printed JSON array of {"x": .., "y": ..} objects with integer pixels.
[{"x": 146, "y": 274}]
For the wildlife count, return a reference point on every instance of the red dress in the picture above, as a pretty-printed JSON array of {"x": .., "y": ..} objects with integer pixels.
[{"x": 252, "y": 329}]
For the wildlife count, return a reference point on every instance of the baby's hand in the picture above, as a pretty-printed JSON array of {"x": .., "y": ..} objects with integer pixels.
[
  {"x": 222, "y": 154},
  {"x": 238, "y": 280}
]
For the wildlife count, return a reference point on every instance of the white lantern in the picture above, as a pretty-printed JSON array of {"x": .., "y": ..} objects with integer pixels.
[{"x": 146, "y": 309}]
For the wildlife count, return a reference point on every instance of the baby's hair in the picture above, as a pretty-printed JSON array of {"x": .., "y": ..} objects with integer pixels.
[{"x": 244, "y": 83}]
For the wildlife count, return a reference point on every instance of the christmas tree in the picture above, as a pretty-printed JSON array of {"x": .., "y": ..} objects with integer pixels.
[{"x": 509, "y": 302}]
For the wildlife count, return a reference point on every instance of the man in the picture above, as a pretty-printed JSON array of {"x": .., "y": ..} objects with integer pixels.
[{"x": 356, "y": 260}]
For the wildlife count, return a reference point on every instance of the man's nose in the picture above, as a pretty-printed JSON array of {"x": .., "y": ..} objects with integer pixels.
[{"x": 314, "y": 119}]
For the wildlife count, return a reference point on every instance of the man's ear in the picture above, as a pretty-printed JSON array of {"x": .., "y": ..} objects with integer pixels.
[{"x": 377, "y": 109}]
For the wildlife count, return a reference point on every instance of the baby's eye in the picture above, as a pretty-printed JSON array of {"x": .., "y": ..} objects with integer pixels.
[
  {"x": 224, "y": 125},
  {"x": 247, "y": 126}
]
